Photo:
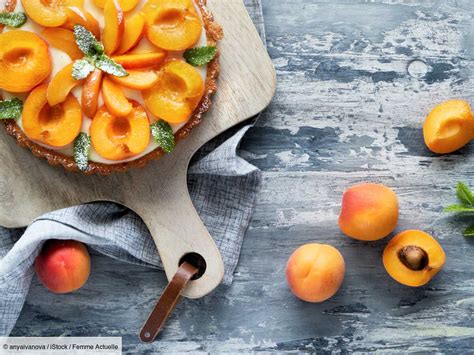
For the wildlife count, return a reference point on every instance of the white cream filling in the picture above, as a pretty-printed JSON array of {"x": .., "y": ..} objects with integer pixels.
[{"x": 60, "y": 59}]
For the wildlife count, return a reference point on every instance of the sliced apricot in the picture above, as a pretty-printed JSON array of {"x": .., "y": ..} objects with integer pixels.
[
  {"x": 63, "y": 40},
  {"x": 61, "y": 85},
  {"x": 137, "y": 79},
  {"x": 140, "y": 60},
  {"x": 173, "y": 25},
  {"x": 56, "y": 126},
  {"x": 119, "y": 138},
  {"x": 413, "y": 258},
  {"x": 24, "y": 61},
  {"x": 115, "y": 99},
  {"x": 114, "y": 26},
  {"x": 126, "y": 5},
  {"x": 133, "y": 32},
  {"x": 79, "y": 16},
  {"x": 90, "y": 93},
  {"x": 177, "y": 92},
  {"x": 48, "y": 13}
]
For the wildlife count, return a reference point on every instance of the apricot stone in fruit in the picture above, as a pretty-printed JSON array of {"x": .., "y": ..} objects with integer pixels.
[
  {"x": 63, "y": 265},
  {"x": 449, "y": 127},
  {"x": 413, "y": 258},
  {"x": 369, "y": 212},
  {"x": 315, "y": 272}
]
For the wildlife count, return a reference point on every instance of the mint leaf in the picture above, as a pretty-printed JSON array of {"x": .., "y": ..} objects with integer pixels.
[
  {"x": 87, "y": 42},
  {"x": 81, "y": 69},
  {"x": 459, "y": 209},
  {"x": 163, "y": 134},
  {"x": 13, "y": 19},
  {"x": 109, "y": 66},
  {"x": 82, "y": 147},
  {"x": 465, "y": 195},
  {"x": 11, "y": 109},
  {"x": 469, "y": 232},
  {"x": 200, "y": 55}
]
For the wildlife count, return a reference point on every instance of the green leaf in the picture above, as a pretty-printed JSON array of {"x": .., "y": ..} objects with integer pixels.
[
  {"x": 465, "y": 195},
  {"x": 81, "y": 69},
  {"x": 200, "y": 55},
  {"x": 86, "y": 42},
  {"x": 82, "y": 147},
  {"x": 109, "y": 66},
  {"x": 163, "y": 134},
  {"x": 459, "y": 209},
  {"x": 11, "y": 109},
  {"x": 469, "y": 232},
  {"x": 13, "y": 19}
]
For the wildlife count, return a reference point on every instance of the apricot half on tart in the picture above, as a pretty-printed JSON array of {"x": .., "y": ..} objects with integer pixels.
[
  {"x": 56, "y": 126},
  {"x": 413, "y": 258},
  {"x": 49, "y": 13},
  {"x": 177, "y": 92},
  {"x": 24, "y": 61},
  {"x": 119, "y": 138}
]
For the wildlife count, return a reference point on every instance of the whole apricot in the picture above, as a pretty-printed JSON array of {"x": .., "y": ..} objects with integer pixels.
[
  {"x": 413, "y": 258},
  {"x": 449, "y": 127},
  {"x": 369, "y": 212},
  {"x": 63, "y": 265},
  {"x": 315, "y": 272}
]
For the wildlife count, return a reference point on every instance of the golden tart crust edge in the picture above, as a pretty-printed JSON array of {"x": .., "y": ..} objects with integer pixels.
[{"x": 213, "y": 32}]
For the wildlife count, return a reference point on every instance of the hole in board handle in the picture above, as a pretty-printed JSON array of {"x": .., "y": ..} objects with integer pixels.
[{"x": 195, "y": 260}]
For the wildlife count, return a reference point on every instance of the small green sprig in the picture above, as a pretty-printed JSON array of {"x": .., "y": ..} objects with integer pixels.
[
  {"x": 11, "y": 109},
  {"x": 13, "y": 19},
  {"x": 94, "y": 56},
  {"x": 465, "y": 205},
  {"x": 82, "y": 147},
  {"x": 163, "y": 134},
  {"x": 200, "y": 55}
]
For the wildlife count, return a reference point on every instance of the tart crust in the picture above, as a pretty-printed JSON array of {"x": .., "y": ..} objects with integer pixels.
[{"x": 213, "y": 32}]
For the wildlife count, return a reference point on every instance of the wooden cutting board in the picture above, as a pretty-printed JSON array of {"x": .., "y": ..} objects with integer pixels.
[{"x": 29, "y": 187}]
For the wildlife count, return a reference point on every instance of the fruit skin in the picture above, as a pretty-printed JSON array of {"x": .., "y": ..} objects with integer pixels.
[
  {"x": 90, "y": 93},
  {"x": 79, "y": 16},
  {"x": 49, "y": 13},
  {"x": 172, "y": 25},
  {"x": 119, "y": 138},
  {"x": 114, "y": 26},
  {"x": 137, "y": 79},
  {"x": 61, "y": 85},
  {"x": 24, "y": 61},
  {"x": 133, "y": 32},
  {"x": 177, "y": 93},
  {"x": 63, "y": 40},
  {"x": 126, "y": 5},
  {"x": 315, "y": 272},
  {"x": 63, "y": 266},
  {"x": 400, "y": 272},
  {"x": 141, "y": 60},
  {"x": 369, "y": 212},
  {"x": 56, "y": 126},
  {"x": 114, "y": 98},
  {"x": 449, "y": 127}
]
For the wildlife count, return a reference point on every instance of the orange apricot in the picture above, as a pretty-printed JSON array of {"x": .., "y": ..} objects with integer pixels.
[
  {"x": 137, "y": 79},
  {"x": 56, "y": 126},
  {"x": 119, "y": 138},
  {"x": 24, "y": 61},
  {"x": 177, "y": 92},
  {"x": 369, "y": 212},
  {"x": 315, "y": 272},
  {"x": 91, "y": 92},
  {"x": 114, "y": 98},
  {"x": 126, "y": 5},
  {"x": 63, "y": 40},
  {"x": 61, "y": 85},
  {"x": 413, "y": 258},
  {"x": 133, "y": 32},
  {"x": 114, "y": 26},
  {"x": 173, "y": 25},
  {"x": 48, "y": 13},
  {"x": 141, "y": 60},
  {"x": 63, "y": 266},
  {"x": 449, "y": 127},
  {"x": 79, "y": 16}
]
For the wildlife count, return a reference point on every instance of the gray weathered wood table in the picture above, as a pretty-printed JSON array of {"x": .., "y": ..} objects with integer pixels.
[{"x": 356, "y": 79}]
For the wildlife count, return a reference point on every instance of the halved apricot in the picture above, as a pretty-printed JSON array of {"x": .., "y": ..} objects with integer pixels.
[
  {"x": 63, "y": 40},
  {"x": 126, "y": 5},
  {"x": 114, "y": 26},
  {"x": 48, "y": 13},
  {"x": 61, "y": 85},
  {"x": 90, "y": 93},
  {"x": 137, "y": 79},
  {"x": 114, "y": 98},
  {"x": 133, "y": 32},
  {"x": 24, "y": 61},
  {"x": 177, "y": 92},
  {"x": 140, "y": 60},
  {"x": 119, "y": 138},
  {"x": 79, "y": 16},
  {"x": 172, "y": 25},
  {"x": 56, "y": 126}
]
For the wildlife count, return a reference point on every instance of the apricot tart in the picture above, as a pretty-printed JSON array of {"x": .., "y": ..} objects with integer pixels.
[{"x": 100, "y": 86}]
